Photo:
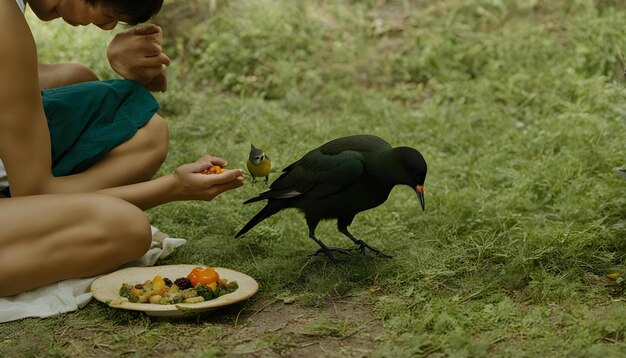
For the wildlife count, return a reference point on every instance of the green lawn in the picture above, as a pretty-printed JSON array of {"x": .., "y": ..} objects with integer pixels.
[{"x": 519, "y": 108}]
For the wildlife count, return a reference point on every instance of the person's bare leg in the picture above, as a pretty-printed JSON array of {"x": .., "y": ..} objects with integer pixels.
[
  {"x": 64, "y": 74},
  {"x": 133, "y": 161},
  {"x": 49, "y": 238}
]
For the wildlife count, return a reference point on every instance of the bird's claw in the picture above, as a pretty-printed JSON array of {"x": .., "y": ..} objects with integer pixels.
[
  {"x": 329, "y": 252},
  {"x": 362, "y": 246}
]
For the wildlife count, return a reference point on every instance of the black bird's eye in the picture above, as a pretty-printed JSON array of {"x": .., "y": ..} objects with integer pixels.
[{"x": 416, "y": 175}]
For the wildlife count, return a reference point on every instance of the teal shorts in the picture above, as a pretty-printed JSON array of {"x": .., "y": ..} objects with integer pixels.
[{"x": 87, "y": 120}]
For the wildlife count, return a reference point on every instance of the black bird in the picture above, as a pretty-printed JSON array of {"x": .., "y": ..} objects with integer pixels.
[{"x": 339, "y": 180}]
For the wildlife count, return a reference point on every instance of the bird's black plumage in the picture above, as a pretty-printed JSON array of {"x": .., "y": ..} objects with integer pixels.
[{"x": 340, "y": 179}]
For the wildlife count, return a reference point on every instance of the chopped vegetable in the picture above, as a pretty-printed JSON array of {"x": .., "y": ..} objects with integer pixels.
[{"x": 182, "y": 283}]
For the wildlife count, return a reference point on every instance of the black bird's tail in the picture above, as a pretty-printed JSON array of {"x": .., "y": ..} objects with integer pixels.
[
  {"x": 263, "y": 196},
  {"x": 270, "y": 209}
]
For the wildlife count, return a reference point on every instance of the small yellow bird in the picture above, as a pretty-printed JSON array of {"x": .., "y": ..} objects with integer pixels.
[{"x": 258, "y": 164}]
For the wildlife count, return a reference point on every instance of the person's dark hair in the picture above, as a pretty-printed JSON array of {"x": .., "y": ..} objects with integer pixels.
[{"x": 137, "y": 11}]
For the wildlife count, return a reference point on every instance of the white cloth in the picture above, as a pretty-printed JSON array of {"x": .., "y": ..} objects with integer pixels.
[
  {"x": 21, "y": 4},
  {"x": 4, "y": 181},
  {"x": 70, "y": 295}
]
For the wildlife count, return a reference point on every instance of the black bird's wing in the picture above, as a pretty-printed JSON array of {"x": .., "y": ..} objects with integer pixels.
[
  {"x": 321, "y": 172},
  {"x": 325, "y": 170}
]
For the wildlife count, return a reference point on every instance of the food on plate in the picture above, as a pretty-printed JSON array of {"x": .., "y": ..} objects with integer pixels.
[{"x": 202, "y": 284}]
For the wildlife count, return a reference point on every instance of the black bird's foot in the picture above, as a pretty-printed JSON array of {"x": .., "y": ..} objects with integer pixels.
[
  {"x": 362, "y": 246},
  {"x": 329, "y": 252}
]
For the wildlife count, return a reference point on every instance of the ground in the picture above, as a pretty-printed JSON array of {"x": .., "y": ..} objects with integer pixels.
[{"x": 261, "y": 328}]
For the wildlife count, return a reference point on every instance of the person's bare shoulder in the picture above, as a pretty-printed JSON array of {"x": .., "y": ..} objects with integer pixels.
[{"x": 13, "y": 26}]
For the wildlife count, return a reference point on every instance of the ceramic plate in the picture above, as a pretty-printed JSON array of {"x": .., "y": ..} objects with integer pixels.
[{"x": 105, "y": 288}]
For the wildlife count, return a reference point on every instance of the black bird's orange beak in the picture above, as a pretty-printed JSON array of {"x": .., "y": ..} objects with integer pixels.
[{"x": 420, "y": 195}]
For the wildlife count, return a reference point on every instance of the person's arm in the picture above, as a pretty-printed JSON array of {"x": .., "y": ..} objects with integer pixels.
[
  {"x": 24, "y": 137},
  {"x": 186, "y": 183}
]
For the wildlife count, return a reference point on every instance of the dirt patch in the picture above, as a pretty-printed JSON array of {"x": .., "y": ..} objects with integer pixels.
[{"x": 273, "y": 328}]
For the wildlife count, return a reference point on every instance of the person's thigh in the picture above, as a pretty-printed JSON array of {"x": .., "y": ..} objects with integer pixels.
[
  {"x": 136, "y": 160},
  {"x": 87, "y": 120},
  {"x": 48, "y": 238},
  {"x": 63, "y": 74}
]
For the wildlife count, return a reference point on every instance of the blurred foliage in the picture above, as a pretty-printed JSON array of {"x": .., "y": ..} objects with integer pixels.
[{"x": 270, "y": 48}]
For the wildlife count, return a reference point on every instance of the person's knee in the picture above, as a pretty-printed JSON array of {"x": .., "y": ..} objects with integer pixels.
[
  {"x": 137, "y": 236},
  {"x": 64, "y": 74},
  {"x": 78, "y": 73},
  {"x": 124, "y": 225},
  {"x": 155, "y": 138},
  {"x": 138, "y": 232}
]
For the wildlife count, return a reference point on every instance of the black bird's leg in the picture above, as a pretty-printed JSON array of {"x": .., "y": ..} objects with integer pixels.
[
  {"x": 343, "y": 228},
  {"x": 328, "y": 250},
  {"x": 267, "y": 178}
]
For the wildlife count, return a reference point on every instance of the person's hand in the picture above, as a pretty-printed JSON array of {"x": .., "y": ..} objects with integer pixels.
[
  {"x": 136, "y": 54},
  {"x": 197, "y": 186}
]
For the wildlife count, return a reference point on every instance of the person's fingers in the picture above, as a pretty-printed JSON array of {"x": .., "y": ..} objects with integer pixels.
[
  {"x": 149, "y": 53},
  {"x": 215, "y": 160},
  {"x": 226, "y": 176},
  {"x": 156, "y": 37},
  {"x": 156, "y": 60},
  {"x": 165, "y": 59},
  {"x": 148, "y": 73},
  {"x": 223, "y": 178},
  {"x": 146, "y": 29},
  {"x": 230, "y": 185},
  {"x": 206, "y": 159},
  {"x": 218, "y": 161},
  {"x": 195, "y": 167},
  {"x": 209, "y": 161},
  {"x": 158, "y": 83},
  {"x": 220, "y": 188},
  {"x": 148, "y": 46},
  {"x": 152, "y": 77}
]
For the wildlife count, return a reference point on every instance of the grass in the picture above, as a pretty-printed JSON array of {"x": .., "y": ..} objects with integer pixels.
[{"x": 518, "y": 107}]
